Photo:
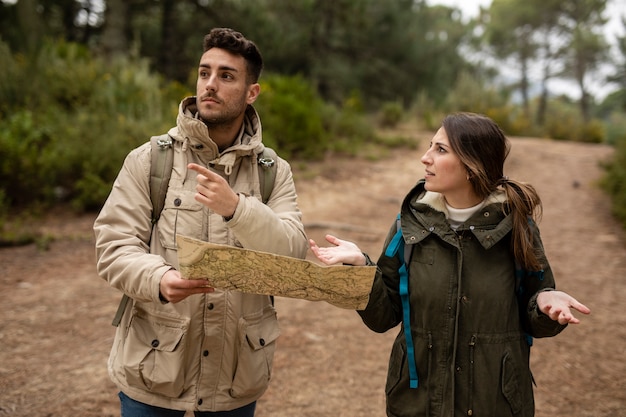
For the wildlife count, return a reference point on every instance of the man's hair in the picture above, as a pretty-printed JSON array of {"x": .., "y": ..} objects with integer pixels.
[{"x": 234, "y": 42}]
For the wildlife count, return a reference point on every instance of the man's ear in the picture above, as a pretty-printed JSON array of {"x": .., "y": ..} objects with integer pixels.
[{"x": 253, "y": 93}]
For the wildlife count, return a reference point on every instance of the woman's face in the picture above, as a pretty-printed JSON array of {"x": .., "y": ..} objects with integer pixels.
[{"x": 446, "y": 174}]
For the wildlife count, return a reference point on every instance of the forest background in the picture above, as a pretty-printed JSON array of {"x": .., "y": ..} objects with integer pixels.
[{"x": 82, "y": 82}]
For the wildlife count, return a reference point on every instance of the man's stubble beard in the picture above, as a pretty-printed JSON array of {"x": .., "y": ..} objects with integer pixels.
[{"x": 224, "y": 118}]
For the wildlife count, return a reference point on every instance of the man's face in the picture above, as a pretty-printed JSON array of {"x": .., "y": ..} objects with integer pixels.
[{"x": 222, "y": 92}]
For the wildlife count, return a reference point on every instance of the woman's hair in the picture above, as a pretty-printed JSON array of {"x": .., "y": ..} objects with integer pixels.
[
  {"x": 236, "y": 43},
  {"x": 482, "y": 147}
]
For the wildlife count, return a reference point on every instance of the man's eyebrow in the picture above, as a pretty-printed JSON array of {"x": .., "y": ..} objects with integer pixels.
[{"x": 220, "y": 68}]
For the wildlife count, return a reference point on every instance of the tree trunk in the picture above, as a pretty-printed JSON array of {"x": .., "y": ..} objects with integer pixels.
[
  {"x": 169, "y": 41},
  {"x": 524, "y": 88},
  {"x": 114, "y": 39},
  {"x": 542, "y": 107},
  {"x": 30, "y": 23}
]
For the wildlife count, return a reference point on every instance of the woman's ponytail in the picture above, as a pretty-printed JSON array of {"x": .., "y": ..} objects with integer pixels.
[{"x": 524, "y": 204}]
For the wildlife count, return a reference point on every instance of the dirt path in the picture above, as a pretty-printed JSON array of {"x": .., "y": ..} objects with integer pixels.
[{"x": 55, "y": 331}]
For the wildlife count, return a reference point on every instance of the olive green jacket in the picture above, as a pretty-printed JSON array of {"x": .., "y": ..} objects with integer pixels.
[
  {"x": 469, "y": 334},
  {"x": 213, "y": 351}
]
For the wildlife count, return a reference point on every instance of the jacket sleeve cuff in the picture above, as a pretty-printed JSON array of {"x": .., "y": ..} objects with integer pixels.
[
  {"x": 229, "y": 218},
  {"x": 368, "y": 260}
]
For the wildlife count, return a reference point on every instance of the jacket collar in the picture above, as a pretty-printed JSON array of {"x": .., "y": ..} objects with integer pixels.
[
  {"x": 424, "y": 213},
  {"x": 191, "y": 131}
]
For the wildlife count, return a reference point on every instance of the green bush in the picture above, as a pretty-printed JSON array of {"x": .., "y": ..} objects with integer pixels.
[
  {"x": 391, "y": 114},
  {"x": 591, "y": 132},
  {"x": 426, "y": 112},
  {"x": 615, "y": 128},
  {"x": 77, "y": 118},
  {"x": 291, "y": 116},
  {"x": 299, "y": 124},
  {"x": 614, "y": 181},
  {"x": 470, "y": 94},
  {"x": 563, "y": 122}
]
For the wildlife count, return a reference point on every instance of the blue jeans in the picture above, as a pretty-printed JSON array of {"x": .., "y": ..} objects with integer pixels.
[{"x": 132, "y": 408}]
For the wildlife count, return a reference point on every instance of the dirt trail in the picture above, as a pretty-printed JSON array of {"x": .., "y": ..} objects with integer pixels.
[{"x": 55, "y": 327}]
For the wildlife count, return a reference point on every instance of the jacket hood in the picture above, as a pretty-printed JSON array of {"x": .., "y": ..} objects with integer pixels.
[{"x": 191, "y": 131}]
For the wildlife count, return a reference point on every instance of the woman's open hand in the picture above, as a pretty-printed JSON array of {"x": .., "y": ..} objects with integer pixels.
[
  {"x": 557, "y": 305},
  {"x": 343, "y": 252}
]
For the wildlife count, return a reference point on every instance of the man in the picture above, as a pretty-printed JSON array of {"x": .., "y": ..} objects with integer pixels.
[{"x": 181, "y": 344}]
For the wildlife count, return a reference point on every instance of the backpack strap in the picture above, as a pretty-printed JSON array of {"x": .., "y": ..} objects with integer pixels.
[
  {"x": 397, "y": 243},
  {"x": 266, "y": 161},
  {"x": 161, "y": 162}
]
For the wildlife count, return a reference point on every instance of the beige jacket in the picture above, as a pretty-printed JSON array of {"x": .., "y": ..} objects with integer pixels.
[{"x": 209, "y": 352}]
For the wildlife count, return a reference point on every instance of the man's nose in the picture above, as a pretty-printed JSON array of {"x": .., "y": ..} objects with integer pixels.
[{"x": 210, "y": 83}]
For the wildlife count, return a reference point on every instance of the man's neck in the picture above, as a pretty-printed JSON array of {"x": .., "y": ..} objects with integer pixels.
[{"x": 225, "y": 135}]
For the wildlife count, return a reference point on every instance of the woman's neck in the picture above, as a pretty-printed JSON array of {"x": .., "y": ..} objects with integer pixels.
[{"x": 462, "y": 201}]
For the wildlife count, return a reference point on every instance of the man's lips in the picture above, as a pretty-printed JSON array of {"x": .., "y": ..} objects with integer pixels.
[{"x": 209, "y": 99}]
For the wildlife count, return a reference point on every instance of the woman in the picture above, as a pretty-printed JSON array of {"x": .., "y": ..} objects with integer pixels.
[{"x": 472, "y": 234}]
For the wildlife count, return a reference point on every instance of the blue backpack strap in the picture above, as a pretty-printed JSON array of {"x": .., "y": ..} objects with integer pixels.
[{"x": 392, "y": 249}]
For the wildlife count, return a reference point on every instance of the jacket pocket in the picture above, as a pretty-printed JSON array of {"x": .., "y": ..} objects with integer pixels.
[
  {"x": 511, "y": 384},
  {"x": 256, "y": 355},
  {"x": 180, "y": 211},
  {"x": 153, "y": 354},
  {"x": 397, "y": 365}
]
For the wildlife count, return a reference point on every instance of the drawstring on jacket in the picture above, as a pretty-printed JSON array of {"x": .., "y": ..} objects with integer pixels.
[{"x": 184, "y": 153}]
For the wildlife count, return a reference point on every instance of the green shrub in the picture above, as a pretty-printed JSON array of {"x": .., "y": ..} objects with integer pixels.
[
  {"x": 615, "y": 128},
  {"x": 559, "y": 129},
  {"x": 614, "y": 181},
  {"x": 510, "y": 121},
  {"x": 299, "y": 124},
  {"x": 65, "y": 139},
  {"x": 425, "y": 111},
  {"x": 291, "y": 116},
  {"x": 563, "y": 122},
  {"x": 591, "y": 132},
  {"x": 349, "y": 128},
  {"x": 470, "y": 94},
  {"x": 23, "y": 141},
  {"x": 391, "y": 114}
]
